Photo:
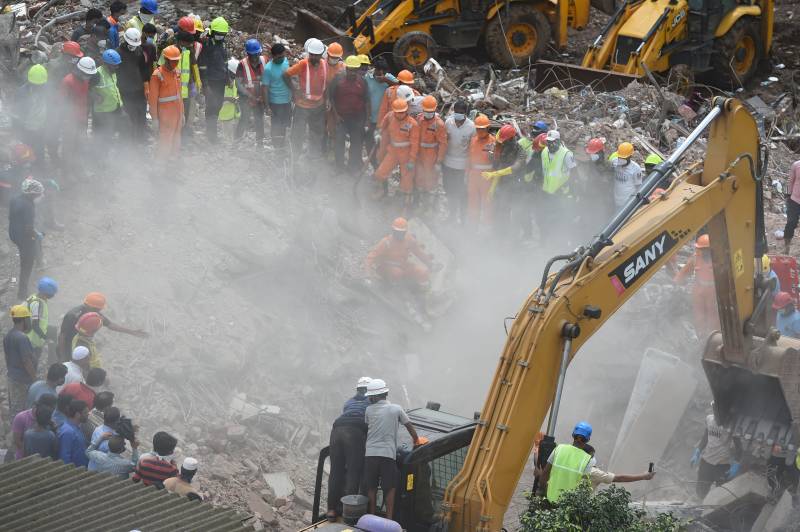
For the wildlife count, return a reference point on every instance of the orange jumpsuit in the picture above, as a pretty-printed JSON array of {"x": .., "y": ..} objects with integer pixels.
[
  {"x": 704, "y": 297},
  {"x": 479, "y": 205},
  {"x": 389, "y": 259},
  {"x": 389, "y": 95},
  {"x": 166, "y": 106},
  {"x": 399, "y": 142},
  {"x": 432, "y": 148}
]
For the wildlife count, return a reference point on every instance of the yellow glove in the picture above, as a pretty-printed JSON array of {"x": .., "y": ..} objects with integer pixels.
[
  {"x": 492, "y": 188},
  {"x": 497, "y": 173},
  {"x": 488, "y": 175}
]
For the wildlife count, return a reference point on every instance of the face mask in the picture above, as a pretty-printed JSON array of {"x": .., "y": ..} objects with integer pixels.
[
  {"x": 619, "y": 161},
  {"x": 146, "y": 18},
  {"x": 459, "y": 117},
  {"x": 428, "y": 115},
  {"x": 333, "y": 62},
  {"x": 595, "y": 156},
  {"x": 131, "y": 47},
  {"x": 371, "y": 72},
  {"x": 552, "y": 146},
  {"x": 149, "y": 40},
  {"x": 219, "y": 38}
]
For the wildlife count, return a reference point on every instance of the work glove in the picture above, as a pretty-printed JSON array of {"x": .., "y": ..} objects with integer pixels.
[
  {"x": 695, "y": 457},
  {"x": 733, "y": 471},
  {"x": 410, "y": 165}
]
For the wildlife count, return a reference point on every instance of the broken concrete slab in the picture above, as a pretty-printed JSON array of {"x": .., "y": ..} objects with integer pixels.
[
  {"x": 722, "y": 502},
  {"x": 258, "y": 506},
  {"x": 280, "y": 483}
]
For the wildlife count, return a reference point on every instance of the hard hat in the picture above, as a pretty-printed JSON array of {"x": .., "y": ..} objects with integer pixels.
[
  {"x": 198, "y": 24},
  {"x": 375, "y": 387},
  {"x": 506, "y": 133},
  {"x": 364, "y": 58},
  {"x": 429, "y": 103},
  {"x": 133, "y": 37},
  {"x": 702, "y": 242},
  {"x": 363, "y": 382},
  {"x": 595, "y": 145},
  {"x": 335, "y": 50},
  {"x": 95, "y": 300},
  {"x": 553, "y": 135},
  {"x": 541, "y": 125},
  {"x": 87, "y": 66},
  {"x": 315, "y": 47},
  {"x": 625, "y": 150},
  {"x": 405, "y": 92},
  {"x": 81, "y": 352},
  {"x": 37, "y": 75},
  {"x": 766, "y": 264},
  {"x": 233, "y": 65},
  {"x": 399, "y": 105},
  {"x": 582, "y": 429},
  {"x": 481, "y": 122},
  {"x": 405, "y": 76},
  {"x": 22, "y": 153},
  {"x": 32, "y": 186},
  {"x": 220, "y": 25},
  {"x": 540, "y": 142},
  {"x": 657, "y": 193},
  {"x": 252, "y": 47},
  {"x": 47, "y": 286},
  {"x": 653, "y": 159},
  {"x": 400, "y": 224},
  {"x": 20, "y": 311},
  {"x": 111, "y": 57},
  {"x": 351, "y": 61},
  {"x": 150, "y": 5},
  {"x": 782, "y": 300},
  {"x": 187, "y": 24},
  {"x": 172, "y": 53},
  {"x": 89, "y": 323},
  {"x": 72, "y": 48}
]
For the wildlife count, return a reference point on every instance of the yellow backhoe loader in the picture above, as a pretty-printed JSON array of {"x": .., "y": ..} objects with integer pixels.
[
  {"x": 465, "y": 477},
  {"x": 512, "y": 32},
  {"x": 723, "y": 41}
]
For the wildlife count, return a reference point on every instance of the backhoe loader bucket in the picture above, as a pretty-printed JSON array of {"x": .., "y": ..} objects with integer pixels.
[
  {"x": 564, "y": 76},
  {"x": 309, "y": 25}
]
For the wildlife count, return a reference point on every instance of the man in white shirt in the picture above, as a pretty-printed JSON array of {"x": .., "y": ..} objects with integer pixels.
[{"x": 460, "y": 130}]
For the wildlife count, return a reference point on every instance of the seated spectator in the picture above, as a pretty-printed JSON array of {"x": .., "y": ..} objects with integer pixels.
[
  {"x": 110, "y": 419},
  {"x": 60, "y": 413},
  {"x": 27, "y": 420},
  {"x": 112, "y": 462},
  {"x": 55, "y": 378},
  {"x": 155, "y": 467},
  {"x": 40, "y": 439},
  {"x": 84, "y": 391},
  {"x": 71, "y": 441},
  {"x": 182, "y": 484},
  {"x": 78, "y": 366}
]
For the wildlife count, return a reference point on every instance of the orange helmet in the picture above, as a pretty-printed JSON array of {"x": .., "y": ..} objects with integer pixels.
[
  {"x": 540, "y": 142},
  {"x": 72, "y": 48},
  {"x": 400, "y": 224},
  {"x": 702, "y": 242},
  {"x": 482, "y": 122},
  {"x": 399, "y": 105},
  {"x": 172, "y": 52},
  {"x": 335, "y": 50},
  {"x": 595, "y": 145},
  {"x": 187, "y": 24},
  {"x": 429, "y": 103},
  {"x": 782, "y": 299},
  {"x": 405, "y": 76},
  {"x": 506, "y": 133},
  {"x": 89, "y": 324},
  {"x": 95, "y": 300}
]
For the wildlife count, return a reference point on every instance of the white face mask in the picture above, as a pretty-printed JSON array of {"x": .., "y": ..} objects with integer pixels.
[
  {"x": 428, "y": 115},
  {"x": 619, "y": 161},
  {"x": 594, "y": 156},
  {"x": 101, "y": 44},
  {"x": 146, "y": 18},
  {"x": 459, "y": 117},
  {"x": 131, "y": 47},
  {"x": 333, "y": 61}
]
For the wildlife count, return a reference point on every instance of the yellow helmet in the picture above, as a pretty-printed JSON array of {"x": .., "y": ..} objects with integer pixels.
[
  {"x": 20, "y": 311},
  {"x": 352, "y": 62},
  {"x": 766, "y": 264},
  {"x": 625, "y": 150},
  {"x": 364, "y": 58}
]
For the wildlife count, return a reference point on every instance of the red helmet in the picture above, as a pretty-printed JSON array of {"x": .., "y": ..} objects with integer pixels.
[
  {"x": 782, "y": 299},
  {"x": 187, "y": 24},
  {"x": 72, "y": 48},
  {"x": 22, "y": 153},
  {"x": 595, "y": 145},
  {"x": 540, "y": 142},
  {"x": 506, "y": 133},
  {"x": 89, "y": 323}
]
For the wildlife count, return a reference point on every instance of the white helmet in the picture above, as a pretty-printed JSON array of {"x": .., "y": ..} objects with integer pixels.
[
  {"x": 133, "y": 37},
  {"x": 315, "y": 47},
  {"x": 87, "y": 66},
  {"x": 405, "y": 92},
  {"x": 363, "y": 382},
  {"x": 553, "y": 135},
  {"x": 233, "y": 65},
  {"x": 376, "y": 387},
  {"x": 31, "y": 186}
]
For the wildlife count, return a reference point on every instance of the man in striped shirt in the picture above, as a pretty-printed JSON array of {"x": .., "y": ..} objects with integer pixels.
[{"x": 155, "y": 467}]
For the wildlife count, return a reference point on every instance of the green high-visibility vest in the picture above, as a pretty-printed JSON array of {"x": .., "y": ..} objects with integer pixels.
[
  {"x": 527, "y": 146},
  {"x": 185, "y": 69},
  {"x": 38, "y": 341},
  {"x": 567, "y": 470},
  {"x": 555, "y": 177},
  {"x": 230, "y": 107},
  {"x": 110, "y": 100}
]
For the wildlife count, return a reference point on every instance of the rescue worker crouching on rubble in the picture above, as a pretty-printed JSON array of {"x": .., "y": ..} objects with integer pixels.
[
  {"x": 481, "y": 157},
  {"x": 432, "y": 149},
  {"x": 389, "y": 259},
  {"x": 399, "y": 144},
  {"x": 558, "y": 202},
  {"x": 787, "y": 320},
  {"x": 704, "y": 299},
  {"x": 37, "y": 303},
  {"x": 166, "y": 104},
  {"x": 508, "y": 180},
  {"x": 568, "y": 464},
  {"x": 717, "y": 464},
  {"x": 348, "y": 438}
]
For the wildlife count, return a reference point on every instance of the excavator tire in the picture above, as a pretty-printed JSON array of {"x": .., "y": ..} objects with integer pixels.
[
  {"x": 515, "y": 38},
  {"x": 737, "y": 55},
  {"x": 413, "y": 49}
]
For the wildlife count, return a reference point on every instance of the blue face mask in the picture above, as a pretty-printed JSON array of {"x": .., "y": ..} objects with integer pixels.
[
  {"x": 149, "y": 40},
  {"x": 459, "y": 116}
]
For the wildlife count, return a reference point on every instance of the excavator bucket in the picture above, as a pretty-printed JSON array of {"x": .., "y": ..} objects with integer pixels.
[
  {"x": 564, "y": 76},
  {"x": 309, "y": 25}
]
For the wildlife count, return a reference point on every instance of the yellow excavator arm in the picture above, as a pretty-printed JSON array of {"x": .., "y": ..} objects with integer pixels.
[{"x": 593, "y": 282}]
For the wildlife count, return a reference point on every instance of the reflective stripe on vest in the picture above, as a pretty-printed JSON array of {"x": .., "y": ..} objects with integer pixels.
[
  {"x": 481, "y": 166},
  {"x": 230, "y": 110},
  {"x": 110, "y": 100},
  {"x": 428, "y": 144},
  {"x": 308, "y": 81},
  {"x": 44, "y": 320},
  {"x": 401, "y": 144},
  {"x": 554, "y": 175},
  {"x": 568, "y": 467},
  {"x": 168, "y": 99},
  {"x": 249, "y": 73}
]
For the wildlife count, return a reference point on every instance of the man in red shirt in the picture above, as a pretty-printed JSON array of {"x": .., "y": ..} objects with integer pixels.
[
  {"x": 85, "y": 392},
  {"x": 155, "y": 467},
  {"x": 74, "y": 96},
  {"x": 251, "y": 97},
  {"x": 309, "y": 99},
  {"x": 349, "y": 97}
]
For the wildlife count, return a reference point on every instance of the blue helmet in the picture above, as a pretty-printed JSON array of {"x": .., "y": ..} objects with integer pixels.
[
  {"x": 111, "y": 57},
  {"x": 47, "y": 286},
  {"x": 252, "y": 47},
  {"x": 150, "y": 5},
  {"x": 541, "y": 126},
  {"x": 583, "y": 429}
]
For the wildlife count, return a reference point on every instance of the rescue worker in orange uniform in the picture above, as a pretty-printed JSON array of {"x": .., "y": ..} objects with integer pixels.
[
  {"x": 481, "y": 157},
  {"x": 404, "y": 77},
  {"x": 389, "y": 259},
  {"x": 432, "y": 149},
  {"x": 400, "y": 143},
  {"x": 704, "y": 298},
  {"x": 166, "y": 103}
]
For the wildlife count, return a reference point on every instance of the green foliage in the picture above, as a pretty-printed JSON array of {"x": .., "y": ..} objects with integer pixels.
[{"x": 582, "y": 510}]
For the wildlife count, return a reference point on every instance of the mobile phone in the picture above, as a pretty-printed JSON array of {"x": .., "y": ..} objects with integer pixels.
[{"x": 650, "y": 469}]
